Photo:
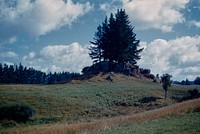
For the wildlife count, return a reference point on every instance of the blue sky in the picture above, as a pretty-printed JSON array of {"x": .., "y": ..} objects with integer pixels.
[{"x": 54, "y": 35}]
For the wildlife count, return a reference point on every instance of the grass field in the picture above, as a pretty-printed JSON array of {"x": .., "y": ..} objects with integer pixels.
[
  {"x": 121, "y": 123},
  {"x": 86, "y": 101},
  {"x": 184, "y": 124}
]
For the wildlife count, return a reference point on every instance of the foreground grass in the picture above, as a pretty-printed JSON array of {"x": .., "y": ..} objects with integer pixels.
[
  {"x": 184, "y": 124},
  {"x": 112, "y": 123}
]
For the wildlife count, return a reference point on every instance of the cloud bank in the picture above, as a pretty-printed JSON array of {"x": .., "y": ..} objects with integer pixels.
[
  {"x": 147, "y": 14},
  {"x": 179, "y": 57},
  {"x": 38, "y": 17},
  {"x": 57, "y": 58}
]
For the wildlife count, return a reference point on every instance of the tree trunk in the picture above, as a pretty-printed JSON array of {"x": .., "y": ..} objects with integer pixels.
[
  {"x": 110, "y": 65},
  {"x": 165, "y": 94}
]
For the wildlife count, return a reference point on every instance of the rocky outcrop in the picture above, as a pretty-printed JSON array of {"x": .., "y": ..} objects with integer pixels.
[{"x": 126, "y": 69}]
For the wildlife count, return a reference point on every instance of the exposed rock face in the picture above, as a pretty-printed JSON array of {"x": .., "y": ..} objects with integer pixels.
[{"x": 126, "y": 69}]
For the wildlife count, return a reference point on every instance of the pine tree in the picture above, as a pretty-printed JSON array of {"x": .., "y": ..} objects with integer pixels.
[
  {"x": 197, "y": 81},
  {"x": 95, "y": 50},
  {"x": 18, "y": 74},
  {"x": 10, "y": 76},
  {"x": 1, "y": 73},
  {"x": 5, "y": 74},
  {"x": 98, "y": 46},
  {"x": 115, "y": 41},
  {"x": 128, "y": 42}
]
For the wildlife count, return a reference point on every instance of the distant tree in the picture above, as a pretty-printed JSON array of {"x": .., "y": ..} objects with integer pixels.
[
  {"x": 5, "y": 74},
  {"x": 1, "y": 73},
  {"x": 21, "y": 73},
  {"x": 182, "y": 82},
  {"x": 187, "y": 82},
  {"x": 115, "y": 41},
  {"x": 25, "y": 75},
  {"x": 166, "y": 80},
  {"x": 11, "y": 77},
  {"x": 42, "y": 78},
  {"x": 197, "y": 81},
  {"x": 18, "y": 74}
]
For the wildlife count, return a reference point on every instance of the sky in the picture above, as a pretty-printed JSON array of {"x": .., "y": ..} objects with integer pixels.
[{"x": 54, "y": 35}]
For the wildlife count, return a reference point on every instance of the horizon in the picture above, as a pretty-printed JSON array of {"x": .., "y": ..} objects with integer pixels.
[{"x": 54, "y": 35}]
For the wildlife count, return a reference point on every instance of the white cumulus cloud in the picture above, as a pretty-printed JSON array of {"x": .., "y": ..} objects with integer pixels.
[
  {"x": 9, "y": 54},
  {"x": 196, "y": 23},
  {"x": 57, "y": 58},
  {"x": 111, "y": 6},
  {"x": 156, "y": 14},
  {"x": 179, "y": 57},
  {"x": 38, "y": 17}
]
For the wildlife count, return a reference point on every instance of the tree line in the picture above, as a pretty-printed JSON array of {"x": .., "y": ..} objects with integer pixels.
[
  {"x": 188, "y": 82},
  {"x": 18, "y": 74}
]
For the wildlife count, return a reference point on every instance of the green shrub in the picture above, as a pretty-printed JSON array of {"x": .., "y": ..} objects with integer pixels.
[
  {"x": 16, "y": 112},
  {"x": 9, "y": 124}
]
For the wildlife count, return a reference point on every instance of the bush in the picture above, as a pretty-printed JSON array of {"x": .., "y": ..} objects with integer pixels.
[
  {"x": 9, "y": 124},
  {"x": 16, "y": 112},
  {"x": 150, "y": 76},
  {"x": 193, "y": 93},
  {"x": 148, "y": 99}
]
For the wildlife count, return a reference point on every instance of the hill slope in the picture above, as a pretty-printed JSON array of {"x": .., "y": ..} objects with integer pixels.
[
  {"x": 107, "y": 124},
  {"x": 88, "y": 100}
]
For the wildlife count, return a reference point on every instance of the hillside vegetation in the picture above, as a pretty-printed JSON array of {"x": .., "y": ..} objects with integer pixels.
[
  {"x": 150, "y": 121},
  {"x": 87, "y": 101}
]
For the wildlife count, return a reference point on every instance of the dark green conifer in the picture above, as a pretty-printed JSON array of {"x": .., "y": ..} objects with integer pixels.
[{"x": 115, "y": 41}]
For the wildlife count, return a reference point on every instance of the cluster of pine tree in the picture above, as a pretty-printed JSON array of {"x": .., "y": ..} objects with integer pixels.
[
  {"x": 115, "y": 41},
  {"x": 18, "y": 74},
  {"x": 197, "y": 81},
  {"x": 188, "y": 82}
]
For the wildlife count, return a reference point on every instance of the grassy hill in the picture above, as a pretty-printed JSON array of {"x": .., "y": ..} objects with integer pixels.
[{"x": 87, "y": 101}]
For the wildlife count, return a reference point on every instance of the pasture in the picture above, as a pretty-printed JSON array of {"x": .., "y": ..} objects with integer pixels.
[{"x": 85, "y": 101}]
